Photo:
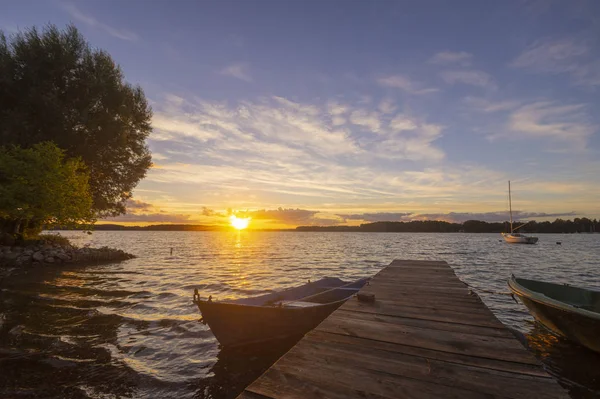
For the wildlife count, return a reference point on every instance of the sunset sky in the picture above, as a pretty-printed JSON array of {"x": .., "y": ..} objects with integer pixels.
[{"x": 345, "y": 112}]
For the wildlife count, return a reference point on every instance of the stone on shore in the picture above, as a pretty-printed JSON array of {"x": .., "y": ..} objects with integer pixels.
[{"x": 45, "y": 254}]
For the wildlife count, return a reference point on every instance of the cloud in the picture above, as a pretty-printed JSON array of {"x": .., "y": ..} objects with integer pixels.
[
  {"x": 387, "y": 106},
  {"x": 469, "y": 77},
  {"x": 283, "y": 216},
  {"x": 291, "y": 152},
  {"x": 150, "y": 218},
  {"x": 451, "y": 57},
  {"x": 562, "y": 56},
  {"x": 369, "y": 120},
  {"x": 501, "y": 216},
  {"x": 485, "y": 105},
  {"x": 166, "y": 127},
  {"x": 404, "y": 83},
  {"x": 412, "y": 140},
  {"x": 401, "y": 122},
  {"x": 135, "y": 206},
  {"x": 566, "y": 124},
  {"x": 550, "y": 56},
  {"x": 94, "y": 23},
  {"x": 212, "y": 213},
  {"x": 143, "y": 212},
  {"x": 377, "y": 217},
  {"x": 285, "y": 130},
  {"x": 239, "y": 71}
]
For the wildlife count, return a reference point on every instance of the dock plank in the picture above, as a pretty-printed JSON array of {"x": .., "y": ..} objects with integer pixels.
[{"x": 425, "y": 336}]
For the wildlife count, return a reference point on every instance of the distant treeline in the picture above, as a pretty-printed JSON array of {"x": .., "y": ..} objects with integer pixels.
[{"x": 583, "y": 225}]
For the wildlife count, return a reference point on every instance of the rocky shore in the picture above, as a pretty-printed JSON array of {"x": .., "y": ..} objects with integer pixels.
[{"x": 52, "y": 254}]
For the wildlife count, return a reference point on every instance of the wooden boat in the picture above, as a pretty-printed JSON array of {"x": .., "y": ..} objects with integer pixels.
[
  {"x": 569, "y": 311},
  {"x": 512, "y": 237},
  {"x": 278, "y": 315}
]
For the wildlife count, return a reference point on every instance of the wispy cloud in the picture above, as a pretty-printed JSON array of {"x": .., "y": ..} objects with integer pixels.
[
  {"x": 277, "y": 147},
  {"x": 404, "y": 83},
  {"x": 565, "y": 125},
  {"x": 283, "y": 216},
  {"x": 94, "y": 23},
  {"x": 269, "y": 152},
  {"x": 135, "y": 206},
  {"x": 485, "y": 105},
  {"x": 238, "y": 70},
  {"x": 387, "y": 106},
  {"x": 469, "y": 77},
  {"x": 139, "y": 211},
  {"x": 150, "y": 218},
  {"x": 367, "y": 119},
  {"x": 568, "y": 56},
  {"x": 452, "y": 58},
  {"x": 550, "y": 56},
  {"x": 402, "y": 122},
  {"x": 376, "y": 217}
]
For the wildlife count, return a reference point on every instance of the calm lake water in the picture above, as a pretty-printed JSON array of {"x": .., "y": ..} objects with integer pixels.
[{"x": 130, "y": 329}]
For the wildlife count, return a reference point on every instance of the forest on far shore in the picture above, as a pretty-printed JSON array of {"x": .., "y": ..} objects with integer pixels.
[{"x": 578, "y": 225}]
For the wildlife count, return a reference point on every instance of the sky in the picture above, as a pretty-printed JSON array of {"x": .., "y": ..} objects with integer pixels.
[{"x": 346, "y": 112}]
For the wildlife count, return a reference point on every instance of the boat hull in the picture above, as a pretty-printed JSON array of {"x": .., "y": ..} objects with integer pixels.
[
  {"x": 235, "y": 325},
  {"x": 576, "y": 324},
  {"x": 519, "y": 239}
]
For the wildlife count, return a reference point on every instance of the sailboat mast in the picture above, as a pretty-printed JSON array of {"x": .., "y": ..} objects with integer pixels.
[{"x": 510, "y": 207}]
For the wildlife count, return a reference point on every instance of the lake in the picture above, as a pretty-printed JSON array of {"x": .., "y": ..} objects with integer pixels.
[{"x": 130, "y": 329}]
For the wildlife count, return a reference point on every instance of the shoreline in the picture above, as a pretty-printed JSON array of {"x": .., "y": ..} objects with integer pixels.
[{"x": 58, "y": 254}]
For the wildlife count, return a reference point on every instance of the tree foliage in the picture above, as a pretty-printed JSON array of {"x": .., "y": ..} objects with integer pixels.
[
  {"x": 55, "y": 87},
  {"x": 39, "y": 187}
]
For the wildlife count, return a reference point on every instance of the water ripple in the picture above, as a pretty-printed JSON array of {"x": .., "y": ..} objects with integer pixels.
[{"x": 131, "y": 329}]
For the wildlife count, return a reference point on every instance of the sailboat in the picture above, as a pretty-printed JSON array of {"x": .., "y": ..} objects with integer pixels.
[{"x": 512, "y": 237}]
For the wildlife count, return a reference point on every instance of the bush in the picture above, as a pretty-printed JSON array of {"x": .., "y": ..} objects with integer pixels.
[
  {"x": 40, "y": 187},
  {"x": 54, "y": 239}
]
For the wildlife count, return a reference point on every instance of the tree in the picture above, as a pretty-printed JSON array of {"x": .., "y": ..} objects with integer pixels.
[
  {"x": 39, "y": 187},
  {"x": 55, "y": 87}
]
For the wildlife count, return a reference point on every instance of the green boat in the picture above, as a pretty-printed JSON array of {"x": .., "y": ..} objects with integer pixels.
[{"x": 569, "y": 311}]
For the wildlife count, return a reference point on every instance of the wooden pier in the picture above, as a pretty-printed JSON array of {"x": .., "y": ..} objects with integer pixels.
[{"x": 424, "y": 336}]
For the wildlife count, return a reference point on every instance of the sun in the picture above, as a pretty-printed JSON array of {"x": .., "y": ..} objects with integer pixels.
[{"x": 239, "y": 223}]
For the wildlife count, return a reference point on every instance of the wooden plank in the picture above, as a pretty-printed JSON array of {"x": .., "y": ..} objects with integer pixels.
[
  {"x": 314, "y": 355},
  {"x": 445, "y": 341},
  {"x": 522, "y": 368},
  {"x": 441, "y": 325},
  {"x": 434, "y": 285},
  {"x": 411, "y": 294},
  {"x": 429, "y": 289},
  {"x": 447, "y": 313},
  {"x": 253, "y": 395},
  {"x": 332, "y": 381},
  {"x": 425, "y": 336},
  {"x": 422, "y": 301}
]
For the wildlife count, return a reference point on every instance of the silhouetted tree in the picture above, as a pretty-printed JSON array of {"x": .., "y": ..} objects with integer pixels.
[{"x": 55, "y": 87}]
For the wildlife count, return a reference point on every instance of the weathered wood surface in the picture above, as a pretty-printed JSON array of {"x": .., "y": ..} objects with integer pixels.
[{"x": 425, "y": 336}]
